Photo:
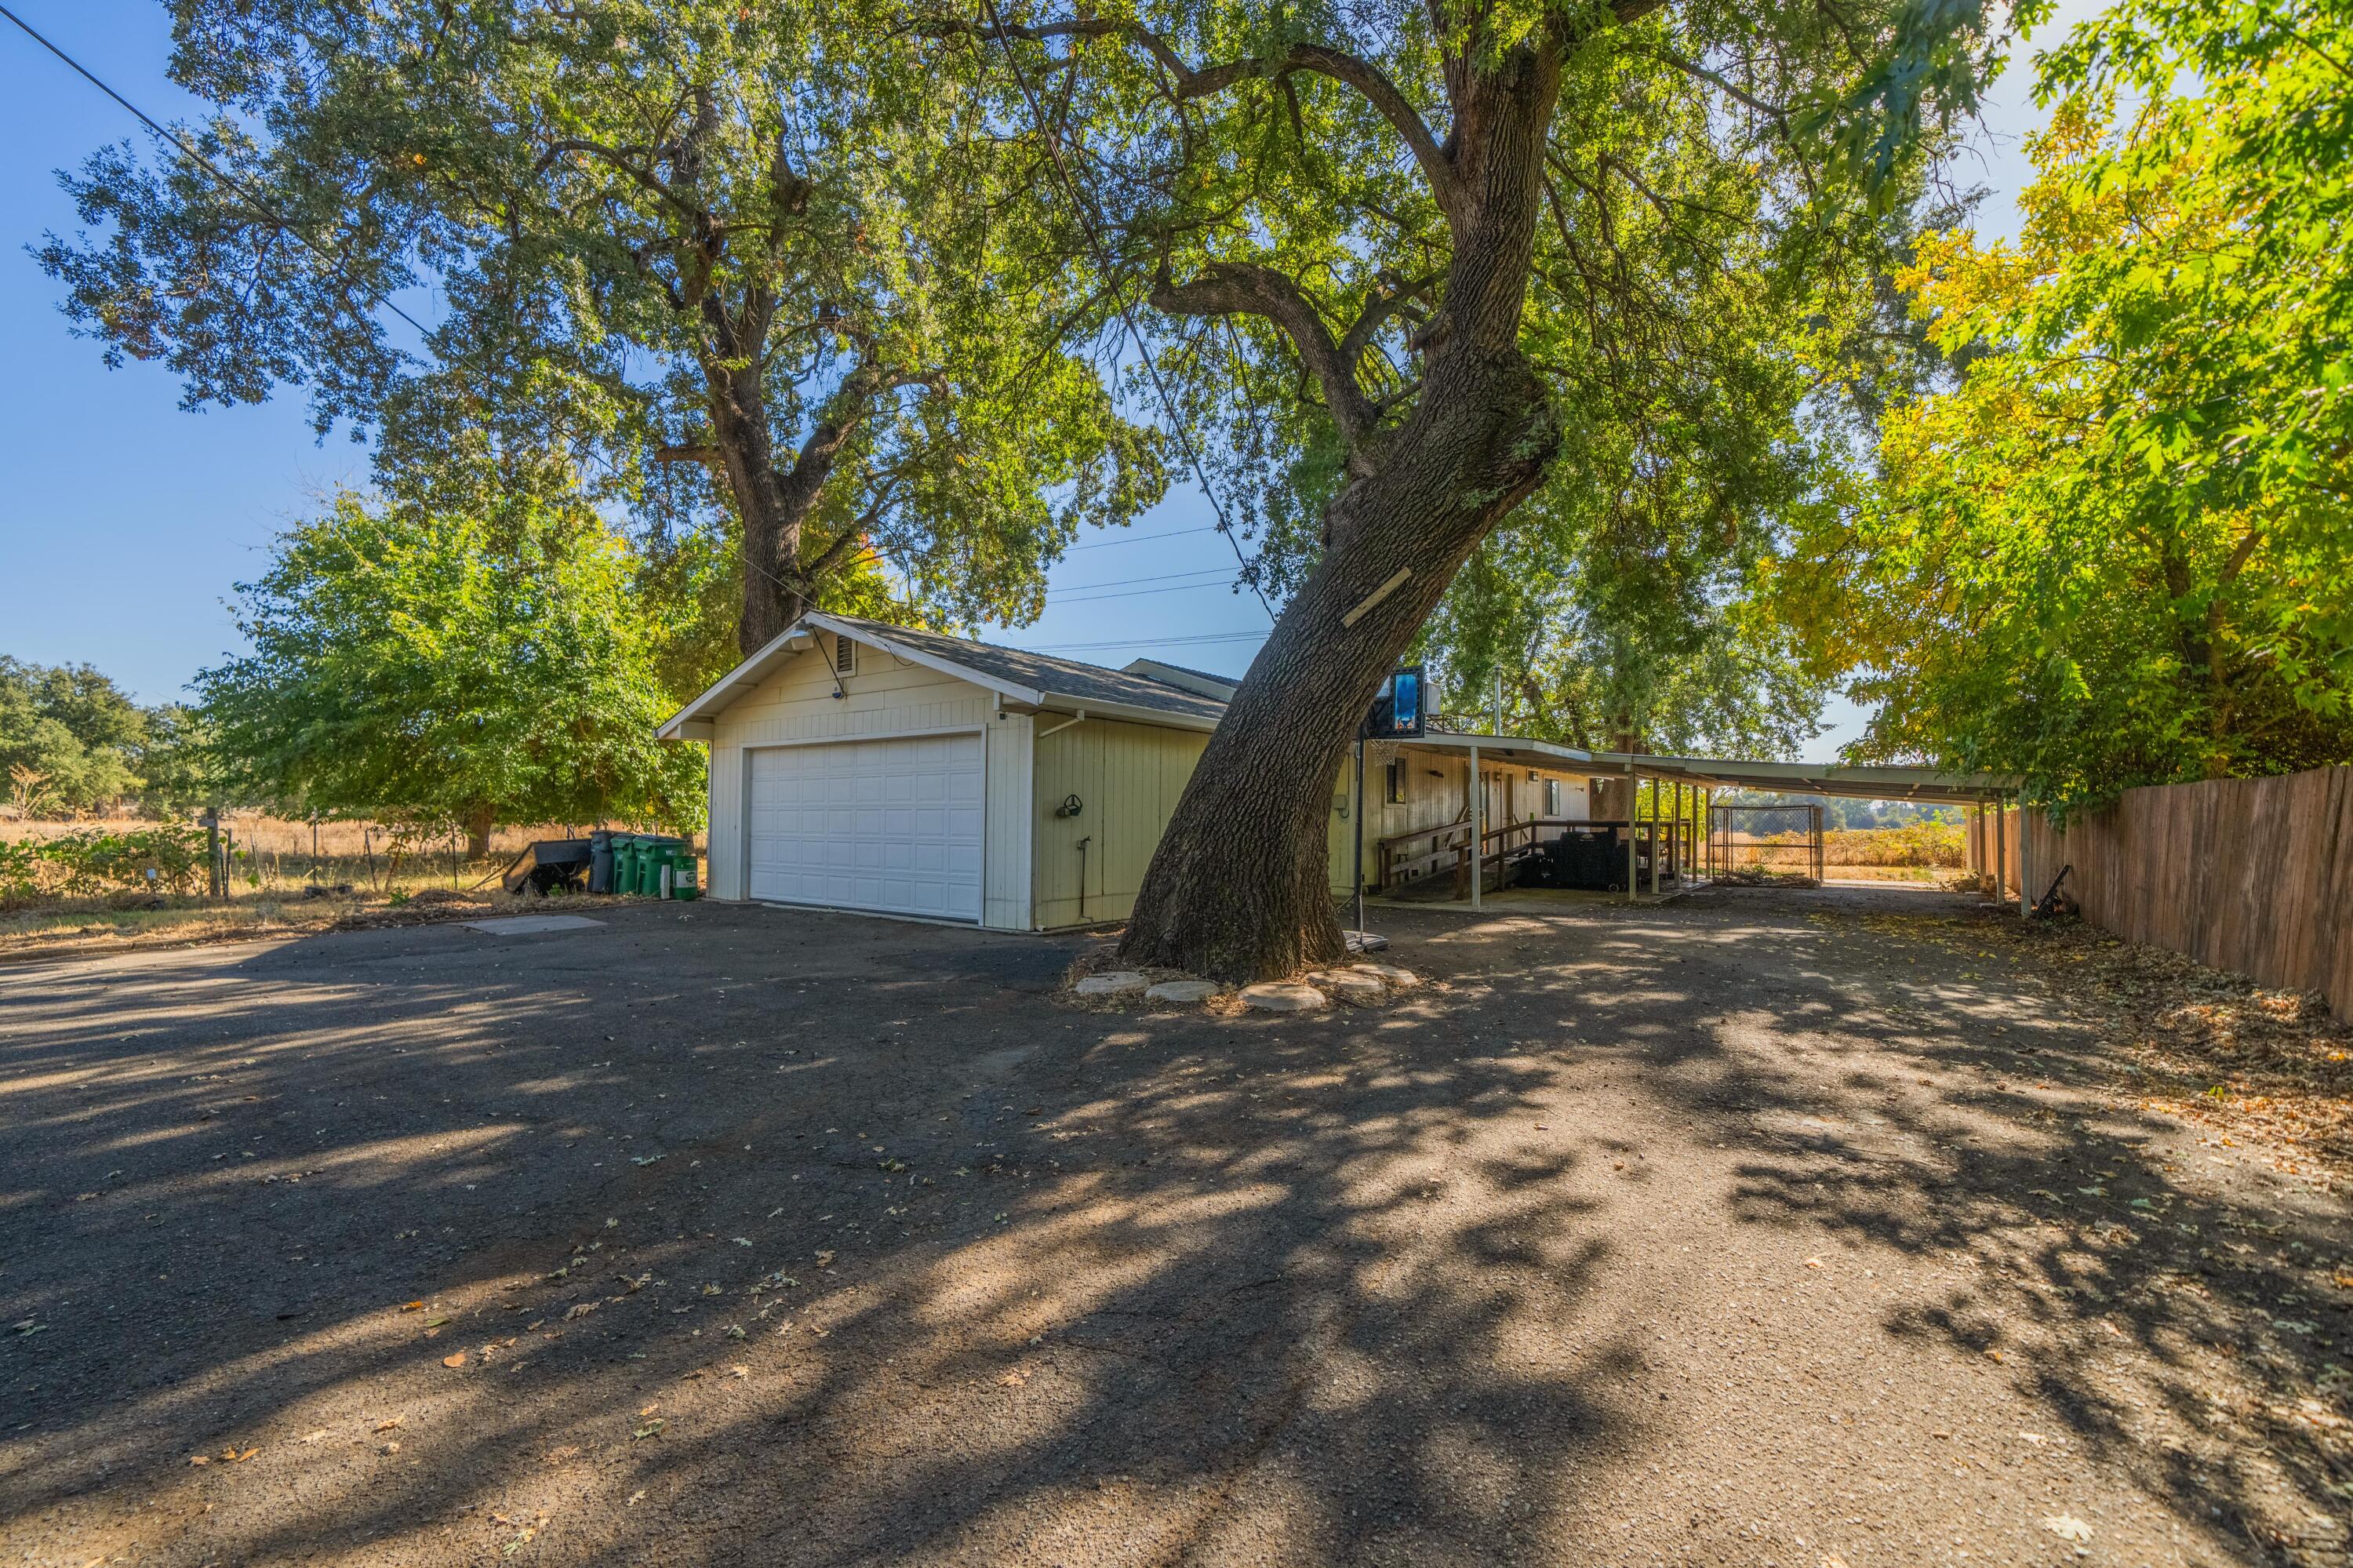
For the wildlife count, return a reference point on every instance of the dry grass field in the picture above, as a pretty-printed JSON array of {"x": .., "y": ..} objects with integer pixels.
[{"x": 286, "y": 878}]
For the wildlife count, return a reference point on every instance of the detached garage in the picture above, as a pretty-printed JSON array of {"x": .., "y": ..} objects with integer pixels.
[{"x": 856, "y": 764}]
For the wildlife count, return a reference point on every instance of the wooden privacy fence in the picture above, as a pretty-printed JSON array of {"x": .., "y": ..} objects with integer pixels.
[{"x": 2251, "y": 875}]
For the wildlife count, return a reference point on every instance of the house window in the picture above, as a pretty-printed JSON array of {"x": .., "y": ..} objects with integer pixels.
[
  {"x": 1393, "y": 783},
  {"x": 844, "y": 656},
  {"x": 1552, "y": 797}
]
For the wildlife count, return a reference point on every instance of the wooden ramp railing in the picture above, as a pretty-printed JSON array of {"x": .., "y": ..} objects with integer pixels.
[{"x": 1410, "y": 856}]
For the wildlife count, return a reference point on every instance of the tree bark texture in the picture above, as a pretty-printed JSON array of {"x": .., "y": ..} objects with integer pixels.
[
  {"x": 1239, "y": 888},
  {"x": 479, "y": 821}
]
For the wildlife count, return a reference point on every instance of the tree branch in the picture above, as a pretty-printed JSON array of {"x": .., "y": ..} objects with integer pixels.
[
  {"x": 830, "y": 558},
  {"x": 1185, "y": 82},
  {"x": 1699, "y": 73},
  {"x": 1232, "y": 287}
]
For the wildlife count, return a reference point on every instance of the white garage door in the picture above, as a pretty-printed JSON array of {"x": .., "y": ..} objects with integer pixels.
[{"x": 891, "y": 825}]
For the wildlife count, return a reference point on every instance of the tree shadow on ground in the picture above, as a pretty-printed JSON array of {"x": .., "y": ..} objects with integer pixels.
[
  {"x": 1008, "y": 1277},
  {"x": 2175, "y": 1308},
  {"x": 789, "y": 1240}
]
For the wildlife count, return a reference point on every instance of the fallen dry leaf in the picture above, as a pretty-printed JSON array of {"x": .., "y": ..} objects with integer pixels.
[
  {"x": 2067, "y": 1527},
  {"x": 412, "y": 1306},
  {"x": 387, "y": 1426},
  {"x": 574, "y": 1314},
  {"x": 457, "y": 1361},
  {"x": 1813, "y": 1263},
  {"x": 315, "y": 1437}
]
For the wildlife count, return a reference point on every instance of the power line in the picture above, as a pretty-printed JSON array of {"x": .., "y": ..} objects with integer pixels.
[
  {"x": 1143, "y": 538},
  {"x": 261, "y": 204},
  {"x": 1082, "y": 210},
  {"x": 377, "y": 297},
  {"x": 1200, "y": 640},
  {"x": 1154, "y": 577},
  {"x": 1143, "y": 593}
]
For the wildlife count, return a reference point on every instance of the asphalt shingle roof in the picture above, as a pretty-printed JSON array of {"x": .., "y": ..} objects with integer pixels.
[{"x": 1068, "y": 678}]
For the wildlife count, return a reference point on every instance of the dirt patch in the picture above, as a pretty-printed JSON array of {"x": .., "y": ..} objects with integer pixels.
[{"x": 2216, "y": 1049}]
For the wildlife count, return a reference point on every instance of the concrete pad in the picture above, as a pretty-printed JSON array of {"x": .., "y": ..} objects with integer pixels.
[
  {"x": 530, "y": 924},
  {"x": 1388, "y": 974},
  {"x": 1183, "y": 990},
  {"x": 1283, "y": 996},
  {"x": 1114, "y": 982}
]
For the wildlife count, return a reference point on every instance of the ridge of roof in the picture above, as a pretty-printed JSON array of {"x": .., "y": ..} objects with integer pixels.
[{"x": 1073, "y": 679}]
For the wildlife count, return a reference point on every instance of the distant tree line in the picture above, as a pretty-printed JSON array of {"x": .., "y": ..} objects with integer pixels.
[{"x": 74, "y": 743}]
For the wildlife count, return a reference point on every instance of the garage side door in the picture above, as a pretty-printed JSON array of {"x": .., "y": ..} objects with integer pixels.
[{"x": 891, "y": 825}]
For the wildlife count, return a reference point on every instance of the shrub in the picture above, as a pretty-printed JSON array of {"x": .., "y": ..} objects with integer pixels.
[
  {"x": 19, "y": 872},
  {"x": 89, "y": 861}
]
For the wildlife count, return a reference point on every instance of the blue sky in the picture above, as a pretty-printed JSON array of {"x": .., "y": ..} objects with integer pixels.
[{"x": 126, "y": 520}]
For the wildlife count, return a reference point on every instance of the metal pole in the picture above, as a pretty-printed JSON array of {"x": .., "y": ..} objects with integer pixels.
[
  {"x": 1681, "y": 849},
  {"x": 1633, "y": 788},
  {"x": 1655, "y": 856},
  {"x": 1478, "y": 832},
  {"x": 1359, "y": 873}
]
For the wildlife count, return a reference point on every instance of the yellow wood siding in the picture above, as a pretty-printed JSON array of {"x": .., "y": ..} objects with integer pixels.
[{"x": 1127, "y": 778}]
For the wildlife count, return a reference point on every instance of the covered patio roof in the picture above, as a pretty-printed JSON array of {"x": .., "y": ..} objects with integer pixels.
[{"x": 1863, "y": 782}]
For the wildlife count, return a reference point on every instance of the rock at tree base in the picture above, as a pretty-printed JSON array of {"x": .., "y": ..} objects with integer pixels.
[
  {"x": 1350, "y": 986},
  {"x": 1283, "y": 996},
  {"x": 1388, "y": 974},
  {"x": 1116, "y": 982},
  {"x": 1183, "y": 990}
]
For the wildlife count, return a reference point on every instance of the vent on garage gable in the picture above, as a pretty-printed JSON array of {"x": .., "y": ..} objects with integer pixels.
[{"x": 844, "y": 656}]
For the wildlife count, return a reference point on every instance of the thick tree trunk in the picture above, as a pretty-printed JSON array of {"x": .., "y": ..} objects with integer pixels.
[
  {"x": 479, "y": 822},
  {"x": 1239, "y": 888}
]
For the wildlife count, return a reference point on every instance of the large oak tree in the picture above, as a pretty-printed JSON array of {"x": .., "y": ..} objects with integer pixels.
[
  {"x": 1465, "y": 235},
  {"x": 768, "y": 244}
]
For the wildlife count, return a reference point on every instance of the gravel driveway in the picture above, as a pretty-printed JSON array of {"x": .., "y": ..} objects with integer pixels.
[{"x": 1798, "y": 1229}]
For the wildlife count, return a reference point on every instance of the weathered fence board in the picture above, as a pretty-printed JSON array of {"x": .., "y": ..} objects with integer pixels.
[{"x": 2251, "y": 875}]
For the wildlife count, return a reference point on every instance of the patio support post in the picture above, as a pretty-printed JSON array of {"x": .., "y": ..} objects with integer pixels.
[
  {"x": 1478, "y": 830},
  {"x": 1655, "y": 825},
  {"x": 1682, "y": 843},
  {"x": 1633, "y": 788}
]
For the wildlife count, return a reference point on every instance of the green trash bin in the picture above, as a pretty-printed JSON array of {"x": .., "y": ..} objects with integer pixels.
[
  {"x": 669, "y": 855},
  {"x": 625, "y": 863},
  {"x": 686, "y": 887}
]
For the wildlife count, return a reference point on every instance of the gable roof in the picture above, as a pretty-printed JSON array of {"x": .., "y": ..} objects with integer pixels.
[
  {"x": 1033, "y": 679},
  {"x": 1199, "y": 682}
]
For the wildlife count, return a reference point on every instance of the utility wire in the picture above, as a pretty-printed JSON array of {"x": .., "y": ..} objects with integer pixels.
[
  {"x": 261, "y": 204},
  {"x": 1082, "y": 209},
  {"x": 1154, "y": 577},
  {"x": 1158, "y": 641},
  {"x": 376, "y": 296},
  {"x": 1143, "y": 538}
]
